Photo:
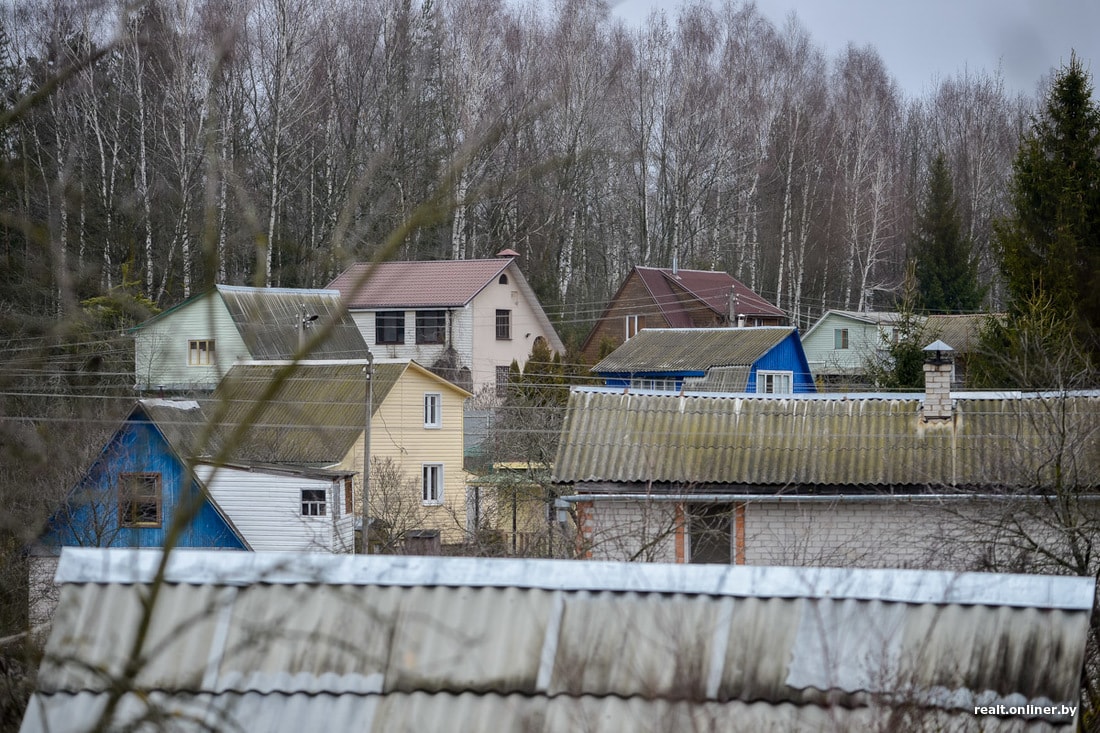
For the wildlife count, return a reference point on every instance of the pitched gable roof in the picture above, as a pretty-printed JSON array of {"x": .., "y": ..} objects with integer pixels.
[
  {"x": 861, "y": 442},
  {"x": 684, "y": 349},
  {"x": 429, "y": 284},
  {"x": 267, "y": 320},
  {"x": 961, "y": 332},
  {"x": 710, "y": 288}
]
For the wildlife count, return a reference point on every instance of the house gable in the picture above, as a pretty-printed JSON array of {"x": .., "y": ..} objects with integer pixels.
[
  {"x": 92, "y": 515},
  {"x": 841, "y": 341}
]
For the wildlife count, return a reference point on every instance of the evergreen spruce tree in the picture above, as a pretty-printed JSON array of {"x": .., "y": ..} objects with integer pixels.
[
  {"x": 1050, "y": 244},
  {"x": 947, "y": 277}
]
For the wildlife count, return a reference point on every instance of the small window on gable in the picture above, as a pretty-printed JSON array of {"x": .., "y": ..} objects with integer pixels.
[
  {"x": 432, "y": 487},
  {"x": 200, "y": 352},
  {"x": 840, "y": 338},
  {"x": 389, "y": 327},
  {"x": 503, "y": 279},
  {"x": 139, "y": 500},
  {"x": 313, "y": 503},
  {"x": 433, "y": 410},
  {"x": 774, "y": 382},
  {"x": 633, "y": 325}
]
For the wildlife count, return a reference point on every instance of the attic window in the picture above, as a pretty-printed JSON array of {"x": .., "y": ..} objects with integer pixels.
[
  {"x": 503, "y": 279},
  {"x": 139, "y": 500},
  {"x": 200, "y": 352},
  {"x": 633, "y": 325}
]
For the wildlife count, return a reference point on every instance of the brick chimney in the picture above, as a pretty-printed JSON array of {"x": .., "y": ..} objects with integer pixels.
[{"x": 939, "y": 365}]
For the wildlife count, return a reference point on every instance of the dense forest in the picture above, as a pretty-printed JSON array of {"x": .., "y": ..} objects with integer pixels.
[{"x": 157, "y": 147}]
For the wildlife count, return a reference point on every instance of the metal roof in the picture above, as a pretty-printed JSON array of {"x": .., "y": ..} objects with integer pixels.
[
  {"x": 692, "y": 349},
  {"x": 961, "y": 332},
  {"x": 427, "y": 284},
  {"x": 275, "y": 641},
  {"x": 839, "y": 440},
  {"x": 708, "y": 287}
]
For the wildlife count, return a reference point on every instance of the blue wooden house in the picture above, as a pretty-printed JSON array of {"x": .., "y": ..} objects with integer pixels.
[
  {"x": 762, "y": 360},
  {"x": 130, "y": 495}
]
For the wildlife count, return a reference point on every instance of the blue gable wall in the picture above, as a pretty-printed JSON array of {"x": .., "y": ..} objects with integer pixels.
[
  {"x": 91, "y": 516},
  {"x": 788, "y": 356}
]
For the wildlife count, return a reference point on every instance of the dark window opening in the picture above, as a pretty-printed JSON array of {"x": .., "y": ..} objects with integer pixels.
[
  {"x": 709, "y": 529},
  {"x": 389, "y": 327},
  {"x": 139, "y": 499},
  {"x": 313, "y": 502},
  {"x": 431, "y": 327},
  {"x": 504, "y": 325}
]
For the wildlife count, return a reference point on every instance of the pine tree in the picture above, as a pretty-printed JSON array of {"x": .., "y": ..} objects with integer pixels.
[
  {"x": 947, "y": 276},
  {"x": 1050, "y": 244}
]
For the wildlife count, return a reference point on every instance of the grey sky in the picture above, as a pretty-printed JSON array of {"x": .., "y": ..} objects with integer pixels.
[{"x": 931, "y": 39}]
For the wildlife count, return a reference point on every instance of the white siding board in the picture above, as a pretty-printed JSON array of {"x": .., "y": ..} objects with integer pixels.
[
  {"x": 161, "y": 347},
  {"x": 267, "y": 510}
]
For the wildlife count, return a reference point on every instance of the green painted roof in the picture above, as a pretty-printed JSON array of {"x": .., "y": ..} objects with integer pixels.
[
  {"x": 874, "y": 441},
  {"x": 690, "y": 349}
]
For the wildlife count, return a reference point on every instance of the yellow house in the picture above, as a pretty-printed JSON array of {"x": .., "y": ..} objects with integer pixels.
[{"x": 313, "y": 413}]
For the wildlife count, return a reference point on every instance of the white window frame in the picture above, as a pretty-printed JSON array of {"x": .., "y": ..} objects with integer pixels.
[
  {"x": 433, "y": 410},
  {"x": 633, "y": 324},
  {"x": 764, "y": 376},
  {"x": 199, "y": 356},
  {"x": 312, "y": 507},
  {"x": 654, "y": 384},
  {"x": 431, "y": 484}
]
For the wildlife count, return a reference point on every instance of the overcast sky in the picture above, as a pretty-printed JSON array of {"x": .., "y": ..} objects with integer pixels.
[{"x": 921, "y": 41}]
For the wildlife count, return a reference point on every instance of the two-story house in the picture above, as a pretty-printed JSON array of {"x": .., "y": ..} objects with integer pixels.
[
  {"x": 655, "y": 297},
  {"x": 192, "y": 345},
  {"x": 273, "y": 460},
  {"x": 465, "y": 319}
]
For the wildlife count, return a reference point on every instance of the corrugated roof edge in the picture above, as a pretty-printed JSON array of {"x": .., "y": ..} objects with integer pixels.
[
  {"x": 128, "y": 566},
  {"x": 841, "y": 396}
]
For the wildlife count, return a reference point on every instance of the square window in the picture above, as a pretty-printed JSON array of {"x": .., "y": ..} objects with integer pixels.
[
  {"x": 432, "y": 489},
  {"x": 139, "y": 500},
  {"x": 389, "y": 327},
  {"x": 840, "y": 338},
  {"x": 774, "y": 382},
  {"x": 431, "y": 327},
  {"x": 313, "y": 503},
  {"x": 504, "y": 325},
  {"x": 200, "y": 352},
  {"x": 433, "y": 410}
]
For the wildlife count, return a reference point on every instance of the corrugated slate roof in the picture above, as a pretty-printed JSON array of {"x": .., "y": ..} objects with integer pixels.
[
  {"x": 275, "y": 641},
  {"x": 832, "y": 439},
  {"x": 429, "y": 284},
  {"x": 692, "y": 349},
  {"x": 960, "y": 332},
  {"x": 267, "y": 319},
  {"x": 313, "y": 416}
]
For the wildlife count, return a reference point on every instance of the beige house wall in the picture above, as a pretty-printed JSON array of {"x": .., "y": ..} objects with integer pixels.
[{"x": 398, "y": 435}]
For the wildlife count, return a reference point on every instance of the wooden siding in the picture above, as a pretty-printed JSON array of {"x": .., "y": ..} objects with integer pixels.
[
  {"x": 633, "y": 299},
  {"x": 266, "y": 508},
  {"x": 160, "y": 348},
  {"x": 398, "y": 435},
  {"x": 788, "y": 356},
  {"x": 91, "y": 515},
  {"x": 823, "y": 358}
]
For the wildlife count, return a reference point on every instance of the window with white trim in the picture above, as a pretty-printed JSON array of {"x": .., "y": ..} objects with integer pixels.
[
  {"x": 313, "y": 503},
  {"x": 660, "y": 384},
  {"x": 432, "y": 486},
  {"x": 200, "y": 352},
  {"x": 633, "y": 324},
  {"x": 773, "y": 382},
  {"x": 433, "y": 410}
]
